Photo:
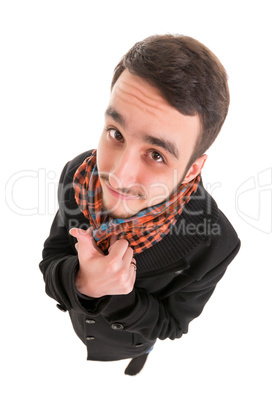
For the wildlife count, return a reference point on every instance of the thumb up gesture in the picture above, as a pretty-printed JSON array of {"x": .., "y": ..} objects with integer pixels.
[{"x": 99, "y": 274}]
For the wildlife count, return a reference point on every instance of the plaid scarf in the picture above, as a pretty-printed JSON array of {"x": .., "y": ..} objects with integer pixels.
[{"x": 143, "y": 230}]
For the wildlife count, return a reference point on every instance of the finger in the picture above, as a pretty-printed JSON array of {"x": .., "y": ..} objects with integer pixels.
[
  {"x": 119, "y": 248},
  {"x": 133, "y": 275},
  {"x": 134, "y": 278},
  {"x": 128, "y": 256},
  {"x": 86, "y": 242},
  {"x": 133, "y": 264},
  {"x": 132, "y": 272},
  {"x": 77, "y": 232},
  {"x": 113, "y": 240},
  {"x": 82, "y": 234}
]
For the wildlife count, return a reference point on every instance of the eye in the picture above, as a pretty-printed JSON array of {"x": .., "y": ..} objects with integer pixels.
[
  {"x": 157, "y": 157},
  {"x": 115, "y": 134}
]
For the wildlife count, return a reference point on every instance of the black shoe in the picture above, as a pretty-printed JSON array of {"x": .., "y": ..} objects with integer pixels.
[{"x": 136, "y": 364}]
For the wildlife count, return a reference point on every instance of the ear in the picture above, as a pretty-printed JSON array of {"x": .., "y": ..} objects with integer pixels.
[{"x": 195, "y": 169}]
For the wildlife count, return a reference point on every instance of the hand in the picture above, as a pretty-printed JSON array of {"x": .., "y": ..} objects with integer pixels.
[{"x": 101, "y": 274}]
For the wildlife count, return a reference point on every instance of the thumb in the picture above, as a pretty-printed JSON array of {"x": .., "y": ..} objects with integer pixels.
[
  {"x": 81, "y": 235},
  {"x": 86, "y": 244}
]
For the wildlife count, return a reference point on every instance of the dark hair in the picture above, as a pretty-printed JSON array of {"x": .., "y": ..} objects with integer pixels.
[{"x": 188, "y": 75}]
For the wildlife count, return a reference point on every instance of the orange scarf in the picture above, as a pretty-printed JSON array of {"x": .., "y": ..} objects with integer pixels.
[{"x": 143, "y": 230}]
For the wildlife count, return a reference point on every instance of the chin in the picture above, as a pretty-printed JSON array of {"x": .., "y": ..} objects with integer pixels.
[
  {"x": 119, "y": 212},
  {"x": 120, "y": 216}
]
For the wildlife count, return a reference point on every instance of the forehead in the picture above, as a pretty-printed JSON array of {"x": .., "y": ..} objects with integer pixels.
[{"x": 134, "y": 92}]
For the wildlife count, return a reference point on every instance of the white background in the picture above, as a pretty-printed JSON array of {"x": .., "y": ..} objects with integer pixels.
[{"x": 57, "y": 59}]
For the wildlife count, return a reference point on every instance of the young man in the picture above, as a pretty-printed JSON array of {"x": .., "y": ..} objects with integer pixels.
[{"x": 138, "y": 245}]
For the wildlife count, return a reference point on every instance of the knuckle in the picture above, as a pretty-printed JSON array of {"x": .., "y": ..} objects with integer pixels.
[
  {"x": 122, "y": 279},
  {"x": 123, "y": 242},
  {"x": 113, "y": 266}
]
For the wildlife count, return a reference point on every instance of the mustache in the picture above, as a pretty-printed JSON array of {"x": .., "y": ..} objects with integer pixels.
[{"x": 125, "y": 191}]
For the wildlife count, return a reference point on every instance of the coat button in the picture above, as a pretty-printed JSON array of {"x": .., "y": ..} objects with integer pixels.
[
  {"x": 139, "y": 345},
  {"x": 62, "y": 308},
  {"x": 88, "y": 321},
  {"x": 117, "y": 326},
  {"x": 90, "y": 338}
]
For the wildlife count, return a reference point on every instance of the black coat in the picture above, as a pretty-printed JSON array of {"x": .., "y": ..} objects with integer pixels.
[{"x": 175, "y": 277}]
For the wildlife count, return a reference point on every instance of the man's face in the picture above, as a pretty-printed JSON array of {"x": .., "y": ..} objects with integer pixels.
[{"x": 144, "y": 148}]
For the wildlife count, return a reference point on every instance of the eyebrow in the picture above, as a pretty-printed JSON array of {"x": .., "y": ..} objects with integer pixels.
[
  {"x": 111, "y": 112},
  {"x": 167, "y": 145}
]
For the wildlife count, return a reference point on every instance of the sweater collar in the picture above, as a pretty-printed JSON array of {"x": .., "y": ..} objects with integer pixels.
[{"x": 192, "y": 228}]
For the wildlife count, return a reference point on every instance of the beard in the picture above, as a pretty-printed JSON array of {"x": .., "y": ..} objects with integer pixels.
[
  {"x": 120, "y": 209},
  {"x": 116, "y": 215}
]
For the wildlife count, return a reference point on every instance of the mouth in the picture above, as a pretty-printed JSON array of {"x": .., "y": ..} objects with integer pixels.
[{"x": 119, "y": 195}]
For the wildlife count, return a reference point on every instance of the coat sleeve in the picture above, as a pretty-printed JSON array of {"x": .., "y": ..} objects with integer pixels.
[
  {"x": 60, "y": 261},
  {"x": 166, "y": 317}
]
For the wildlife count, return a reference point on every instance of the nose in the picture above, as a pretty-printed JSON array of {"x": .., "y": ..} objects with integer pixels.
[{"x": 125, "y": 170}]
